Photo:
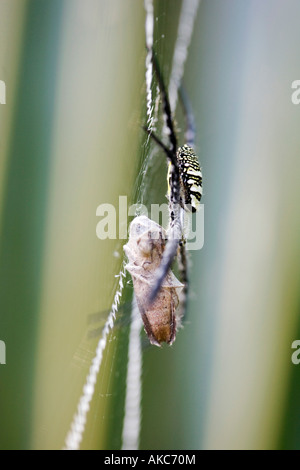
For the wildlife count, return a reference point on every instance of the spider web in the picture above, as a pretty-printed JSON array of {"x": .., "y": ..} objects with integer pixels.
[{"x": 132, "y": 414}]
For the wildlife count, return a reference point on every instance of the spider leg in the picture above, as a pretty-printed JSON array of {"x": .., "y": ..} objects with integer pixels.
[
  {"x": 159, "y": 142},
  {"x": 171, "y": 153},
  {"x": 167, "y": 259},
  {"x": 165, "y": 265},
  {"x": 183, "y": 268},
  {"x": 166, "y": 107}
]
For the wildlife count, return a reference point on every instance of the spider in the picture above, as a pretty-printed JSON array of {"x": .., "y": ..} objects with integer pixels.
[
  {"x": 150, "y": 250},
  {"x": 184, "y": 187}
]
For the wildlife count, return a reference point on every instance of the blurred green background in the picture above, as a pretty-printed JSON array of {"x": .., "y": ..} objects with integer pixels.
[{"x": 70, "y": 140}]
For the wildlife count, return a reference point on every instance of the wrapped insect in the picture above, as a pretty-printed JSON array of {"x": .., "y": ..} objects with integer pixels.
[{"x": 144, "y": 250}]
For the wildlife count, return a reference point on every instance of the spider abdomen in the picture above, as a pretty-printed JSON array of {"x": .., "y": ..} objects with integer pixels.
[{"x": 190, "y": 178}]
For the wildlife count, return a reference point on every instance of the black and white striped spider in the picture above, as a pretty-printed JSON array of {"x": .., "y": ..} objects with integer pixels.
[{"x": 150, "y": 256}]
